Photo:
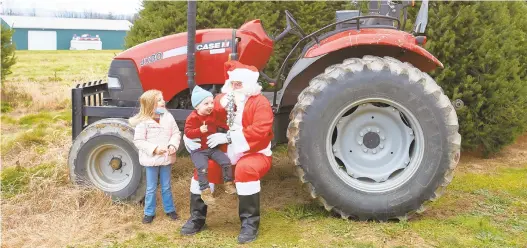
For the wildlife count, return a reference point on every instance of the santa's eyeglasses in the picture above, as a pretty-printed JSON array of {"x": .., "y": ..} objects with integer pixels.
[{"x": 236, "y": 84}]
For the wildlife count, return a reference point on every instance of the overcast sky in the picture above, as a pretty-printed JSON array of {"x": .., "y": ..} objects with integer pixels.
[{"x": 44, "y": 7}]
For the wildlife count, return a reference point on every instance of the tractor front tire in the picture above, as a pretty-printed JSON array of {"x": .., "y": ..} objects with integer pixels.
[
  {"x": 104, "y": 156},
  {"x": 374, "y": 139}
]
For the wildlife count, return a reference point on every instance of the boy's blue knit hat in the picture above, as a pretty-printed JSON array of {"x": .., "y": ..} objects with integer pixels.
[{"x": 198, "y": 94}]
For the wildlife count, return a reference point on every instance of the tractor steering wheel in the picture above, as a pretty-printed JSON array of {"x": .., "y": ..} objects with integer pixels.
[{"x": 295, "y": 27}]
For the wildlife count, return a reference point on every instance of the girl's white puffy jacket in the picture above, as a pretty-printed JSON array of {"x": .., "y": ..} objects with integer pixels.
[{"x": 149, "y": 134}]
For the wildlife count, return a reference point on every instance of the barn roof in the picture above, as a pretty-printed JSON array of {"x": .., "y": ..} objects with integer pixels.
[{"x": 65, "y": 23}]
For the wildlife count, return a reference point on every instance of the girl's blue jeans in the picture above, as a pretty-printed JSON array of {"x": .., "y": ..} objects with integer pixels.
[{"x": 164, "y": 174}]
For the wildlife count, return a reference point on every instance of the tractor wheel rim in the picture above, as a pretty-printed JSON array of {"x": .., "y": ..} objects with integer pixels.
[
  {"x": 375, "y": 144},
  {"x": 101, "y": 173}
]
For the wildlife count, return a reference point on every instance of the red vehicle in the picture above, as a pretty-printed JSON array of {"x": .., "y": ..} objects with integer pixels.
[{"x": 371, "y": 134}]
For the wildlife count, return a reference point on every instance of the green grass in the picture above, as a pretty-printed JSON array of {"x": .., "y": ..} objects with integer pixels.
[
  {"x": 45, "y": 117},
  {"x": 61, "y": 66},
  {"x": 307, "y": 211},
  {"x": 36, "y": 136},
  {"x": 468, "y": 231},
  {"x": 510, "y": 180},
  {"x": 33, "y": 129},
  {"x": 7, "y": 120},
  {"x": 15, "y": 180},
  {"x": 494, "y": 217},
  {"x": 6, "y": 107}
]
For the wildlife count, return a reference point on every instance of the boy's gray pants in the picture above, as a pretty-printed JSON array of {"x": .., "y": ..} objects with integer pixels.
[{"x": 200, "y": 158}]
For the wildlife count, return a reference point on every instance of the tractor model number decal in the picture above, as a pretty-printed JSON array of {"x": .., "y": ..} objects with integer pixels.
[
  {"x": 152, "y": 58},
  {"x": 213, "y": 45}
]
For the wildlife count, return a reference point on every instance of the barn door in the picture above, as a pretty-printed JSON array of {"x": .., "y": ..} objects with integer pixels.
[{"x": 42, "y": 40}]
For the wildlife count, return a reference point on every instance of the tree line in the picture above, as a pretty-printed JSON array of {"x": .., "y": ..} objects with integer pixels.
[{"x": 87, "y": 14}]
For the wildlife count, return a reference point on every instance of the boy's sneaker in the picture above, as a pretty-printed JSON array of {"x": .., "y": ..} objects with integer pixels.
[
  {"x": 229, "y": 188},
  {"x": 148, "y": 219},
  {"x": 173, "y": 215},
  {"x": 207, "y": 197}
]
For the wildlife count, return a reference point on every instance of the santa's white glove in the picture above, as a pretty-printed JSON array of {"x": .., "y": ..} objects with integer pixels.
[
  {"x": 191, "y": 144},
  {"x": 216, "y": 139},
  {"x": 230, "y": 154}
]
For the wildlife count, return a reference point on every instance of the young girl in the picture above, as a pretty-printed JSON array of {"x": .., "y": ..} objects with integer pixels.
[{"x": 157, "y": 138}]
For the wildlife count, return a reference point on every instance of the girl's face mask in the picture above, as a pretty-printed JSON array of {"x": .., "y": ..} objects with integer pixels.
[{"x": 160, "y": 111}]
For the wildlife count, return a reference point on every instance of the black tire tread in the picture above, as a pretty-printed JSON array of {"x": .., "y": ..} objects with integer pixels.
[
  {"x": 373, "y": 63},
  {"x": 111, "y": 126}
]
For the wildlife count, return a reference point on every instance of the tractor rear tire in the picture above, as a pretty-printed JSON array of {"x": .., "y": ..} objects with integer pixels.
[
  {"x": 374, "y": 139},
  {"x": 91, "y": 153}
]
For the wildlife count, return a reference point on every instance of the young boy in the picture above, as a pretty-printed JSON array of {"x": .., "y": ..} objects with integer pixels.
[{"x": 200, "y": 124}]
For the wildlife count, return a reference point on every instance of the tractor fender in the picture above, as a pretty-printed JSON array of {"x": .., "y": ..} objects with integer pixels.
[
  {"x": 375, "y": 37},
  {"x": 299, "y": 66},
  {"x": 336, "y": 47}
]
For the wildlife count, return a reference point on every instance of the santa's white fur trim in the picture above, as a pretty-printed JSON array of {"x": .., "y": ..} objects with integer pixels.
[
  {"x": 243, "y": 75},
  {"x": 194, "y": 187},
  {"x": 239, "y": 143},
  {"x": 224, "y": 101},
  {"x": 248, "y": 188}
]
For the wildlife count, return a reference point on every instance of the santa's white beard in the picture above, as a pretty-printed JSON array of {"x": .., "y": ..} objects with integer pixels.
[{"x": 240, "y": 95}]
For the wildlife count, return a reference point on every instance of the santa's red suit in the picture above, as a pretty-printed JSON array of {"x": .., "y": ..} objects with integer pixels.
[{"x": 250, "y": 118}]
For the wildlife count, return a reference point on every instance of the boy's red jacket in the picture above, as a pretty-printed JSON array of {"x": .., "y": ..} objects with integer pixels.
[{"x": 195, "y": 121}]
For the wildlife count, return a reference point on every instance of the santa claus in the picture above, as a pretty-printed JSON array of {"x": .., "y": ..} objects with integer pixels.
[{"x": 250, "y": 119}]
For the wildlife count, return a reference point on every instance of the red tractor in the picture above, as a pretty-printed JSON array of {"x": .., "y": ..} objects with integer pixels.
[{"x": 370, "y": 133}]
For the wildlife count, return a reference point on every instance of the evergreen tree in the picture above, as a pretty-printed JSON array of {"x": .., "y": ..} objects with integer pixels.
[
  {"x": 484, "y": 50},
  {"x": 8, "y": 51}
]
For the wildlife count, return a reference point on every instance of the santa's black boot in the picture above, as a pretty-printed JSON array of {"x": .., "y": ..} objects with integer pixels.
[
  {"x": 198, "y": 214},
  {"x": 249, "y": 211}
]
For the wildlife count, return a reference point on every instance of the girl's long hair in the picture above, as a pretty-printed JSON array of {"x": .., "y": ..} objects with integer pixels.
[{"x": 148, "y": 102}]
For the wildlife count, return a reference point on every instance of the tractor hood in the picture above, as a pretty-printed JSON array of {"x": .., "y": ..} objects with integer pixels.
[{"x": 161, "y": 63}]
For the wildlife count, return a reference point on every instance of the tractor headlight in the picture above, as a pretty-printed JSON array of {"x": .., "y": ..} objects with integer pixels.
[{"x": 113, "y": 83}]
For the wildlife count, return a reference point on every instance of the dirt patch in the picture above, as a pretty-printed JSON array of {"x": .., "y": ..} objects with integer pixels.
[
  {"x": 512, "y": 156},
  {"x": 449, "y": 205},
  {"x": 407, "y": 238},
  {"x": 369, "y": 234},
  {"x": 516, "y": 154}
]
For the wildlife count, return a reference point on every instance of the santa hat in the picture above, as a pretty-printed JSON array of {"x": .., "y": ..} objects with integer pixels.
[{"x": 247, "y": 74}]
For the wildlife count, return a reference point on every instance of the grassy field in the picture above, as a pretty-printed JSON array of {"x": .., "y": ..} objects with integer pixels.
[
  {"x": 485, "y": 206},
  {"x": 61, "y": 66}
]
